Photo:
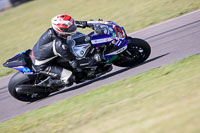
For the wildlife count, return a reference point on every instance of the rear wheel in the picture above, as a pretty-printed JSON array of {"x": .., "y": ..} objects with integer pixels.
[
  {"x": 137, "y": 52},
  {"x": 21, "y": 79}
]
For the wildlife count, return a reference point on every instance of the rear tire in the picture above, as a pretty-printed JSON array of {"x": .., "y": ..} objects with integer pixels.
[
  {"x": 19, "y": 79},
  {"x": 137, "y": 52}
]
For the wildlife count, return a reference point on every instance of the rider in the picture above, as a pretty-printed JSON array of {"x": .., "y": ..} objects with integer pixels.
[{"x": 55, "y": 43}]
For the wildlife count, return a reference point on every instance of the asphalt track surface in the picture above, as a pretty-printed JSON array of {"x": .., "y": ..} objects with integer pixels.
[{"x": 170, "y": 41}]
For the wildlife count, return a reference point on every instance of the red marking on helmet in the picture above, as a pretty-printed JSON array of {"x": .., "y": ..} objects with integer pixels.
[
  {"x": 68, "y": 18},
  {"x": 65, "y": 17},
  {"x": 62, "y": 25}
]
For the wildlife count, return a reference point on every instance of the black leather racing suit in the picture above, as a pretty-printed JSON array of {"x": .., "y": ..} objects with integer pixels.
[{"x": 49, "y": 47}]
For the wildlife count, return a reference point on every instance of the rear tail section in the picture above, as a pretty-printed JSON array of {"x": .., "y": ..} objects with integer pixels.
[{"x": 20, "y": 62}]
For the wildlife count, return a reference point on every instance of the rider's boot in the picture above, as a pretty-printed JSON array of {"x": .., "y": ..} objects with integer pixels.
[
  {"x": 57, "y": 77},
  {"x": 70, "y": 81},
  {"x": 56, "y": 83}
]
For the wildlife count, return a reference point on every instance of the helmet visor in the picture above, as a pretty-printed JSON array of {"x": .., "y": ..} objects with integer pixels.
[{"x": 70, "y": 29}]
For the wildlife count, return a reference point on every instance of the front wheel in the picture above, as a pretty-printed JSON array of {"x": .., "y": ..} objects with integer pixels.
[
  {"x": 21, "y": 79},
  {"x": 137, "y": 52}
]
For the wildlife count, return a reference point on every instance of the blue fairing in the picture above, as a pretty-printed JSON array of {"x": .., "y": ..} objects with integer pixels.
[
  {"x": 114, "y": 35},
  {"x": 98, "y": 40},
  {"x": 19, "y": 63},
  {"x": 110, "y": 55},
  {"x": 23, "y": 69}
]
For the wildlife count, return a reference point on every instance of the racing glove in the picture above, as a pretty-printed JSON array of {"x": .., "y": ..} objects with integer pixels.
[{"x": 81, "y": 24}]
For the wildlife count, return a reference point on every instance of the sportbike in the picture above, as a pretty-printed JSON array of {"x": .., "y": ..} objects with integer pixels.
[{"x": 114, "y": 46}]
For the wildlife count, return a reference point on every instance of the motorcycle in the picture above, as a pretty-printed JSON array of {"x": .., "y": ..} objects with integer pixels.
[{"x": 114, "y": 46}]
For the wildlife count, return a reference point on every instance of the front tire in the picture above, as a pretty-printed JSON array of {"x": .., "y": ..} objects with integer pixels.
[
  {"x": 137, "y": 52},
  {"x": 19, "y": 79}
]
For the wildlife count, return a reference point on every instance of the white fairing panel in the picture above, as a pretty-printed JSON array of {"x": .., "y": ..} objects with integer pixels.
[
  {"x": 80, "y": 51},
  {"x": 118, "y": 51}
]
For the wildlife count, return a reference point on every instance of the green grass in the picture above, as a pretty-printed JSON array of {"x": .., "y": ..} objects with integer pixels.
[
  {"x": 22, "y": 26},
  {"x": 162, "y": 100}
]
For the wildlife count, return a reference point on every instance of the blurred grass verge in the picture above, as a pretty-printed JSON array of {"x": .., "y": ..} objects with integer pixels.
[
  {"x": 22, "y": 26},
  {"x": 162, "y": 100}
]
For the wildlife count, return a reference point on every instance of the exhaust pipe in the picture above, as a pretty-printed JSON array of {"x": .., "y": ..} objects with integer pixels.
[{"x": 30, "y": 89}]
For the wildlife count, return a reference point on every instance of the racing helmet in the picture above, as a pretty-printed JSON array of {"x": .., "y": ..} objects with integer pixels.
[{"x": 64, "y": 25}]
